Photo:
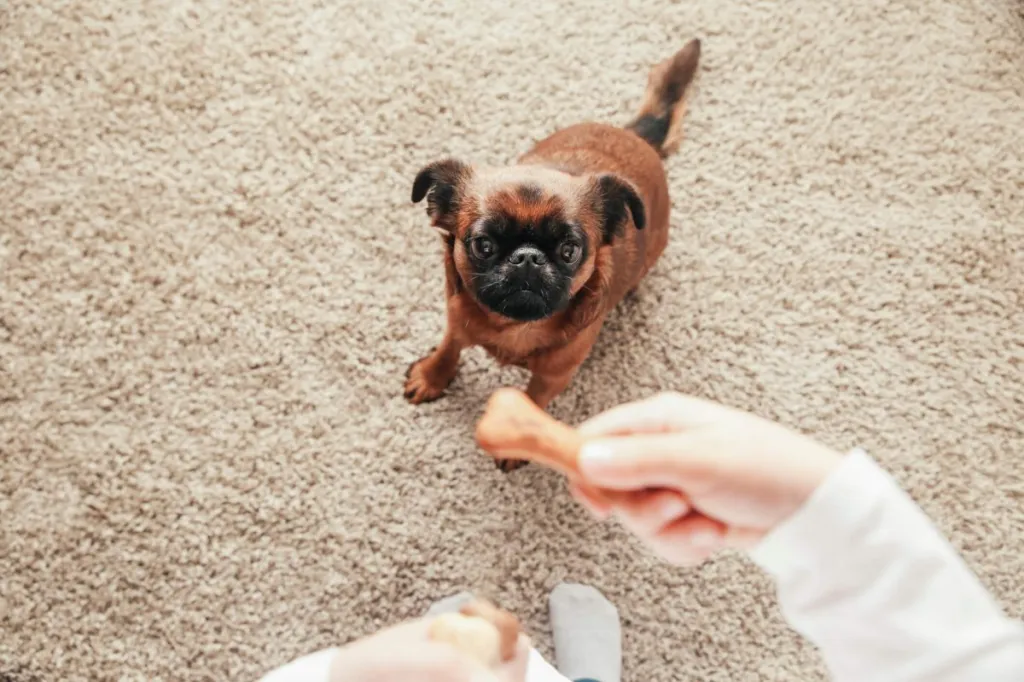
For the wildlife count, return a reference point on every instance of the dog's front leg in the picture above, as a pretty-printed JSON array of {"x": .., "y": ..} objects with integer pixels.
[
  {"x": 553, "y": 371},
  {"x": 428, "y": 377},
  {"x": 545, "y": 386}
]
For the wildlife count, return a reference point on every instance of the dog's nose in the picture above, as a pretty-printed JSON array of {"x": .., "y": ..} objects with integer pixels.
[{"x": 528, "y": 255}]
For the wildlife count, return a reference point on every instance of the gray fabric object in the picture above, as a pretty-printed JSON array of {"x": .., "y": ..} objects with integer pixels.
[{"x": 587, "y": 633}]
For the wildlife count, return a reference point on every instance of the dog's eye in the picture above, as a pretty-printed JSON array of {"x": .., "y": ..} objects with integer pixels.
[
  {"x": 483, "y": 247},
  {"x": 569, "y": 252}
]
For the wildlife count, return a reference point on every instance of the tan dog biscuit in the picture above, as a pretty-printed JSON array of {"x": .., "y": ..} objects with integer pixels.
[
  {"x": 514, "y": 427},
  {"x": 481, "y": 630}
]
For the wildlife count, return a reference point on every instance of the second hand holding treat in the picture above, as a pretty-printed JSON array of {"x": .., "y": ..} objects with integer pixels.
[{"x": 483, "y": 631}]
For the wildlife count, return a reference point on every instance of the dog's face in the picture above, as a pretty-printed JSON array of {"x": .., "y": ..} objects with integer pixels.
[{"x": 525, "y": 239}]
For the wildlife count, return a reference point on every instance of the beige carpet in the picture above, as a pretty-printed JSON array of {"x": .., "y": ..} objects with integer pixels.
[{"x": 213, "y": 279}]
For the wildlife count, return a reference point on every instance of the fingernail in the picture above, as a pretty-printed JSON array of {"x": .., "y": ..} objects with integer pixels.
[
  {"x": 595, "y": 455},
  {"x": 705, "y": 539}
]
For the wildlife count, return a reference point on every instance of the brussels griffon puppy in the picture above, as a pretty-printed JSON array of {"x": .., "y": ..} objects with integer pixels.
[{"x": 537, "y": 253}]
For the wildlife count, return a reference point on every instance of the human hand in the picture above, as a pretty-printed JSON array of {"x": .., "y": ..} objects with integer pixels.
[
  {"x": 705, "y": 477},
  {"x": 405, "y": 653}
]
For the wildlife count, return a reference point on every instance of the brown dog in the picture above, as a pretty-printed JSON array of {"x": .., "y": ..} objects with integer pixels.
[{"x": 538, "y": 253}]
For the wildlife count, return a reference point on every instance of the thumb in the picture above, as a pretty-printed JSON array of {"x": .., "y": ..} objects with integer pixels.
[{"x": 644, "y": 461}]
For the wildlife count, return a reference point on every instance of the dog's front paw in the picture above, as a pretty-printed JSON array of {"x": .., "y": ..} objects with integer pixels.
[
  {"x": 509, "y": 465},
  {"x": 423, "y": 385}
]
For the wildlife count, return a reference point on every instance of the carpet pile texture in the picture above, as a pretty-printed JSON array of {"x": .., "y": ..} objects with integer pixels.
[{"x": 212, "y": 280}]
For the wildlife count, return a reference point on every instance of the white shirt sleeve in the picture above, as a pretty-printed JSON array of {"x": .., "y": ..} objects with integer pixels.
[
  {"x": 317, "y": 667},
  {"x": 310, "y": 668},
  {"x": 863, "y": 574},
  {"x": 539, "y": 670}
]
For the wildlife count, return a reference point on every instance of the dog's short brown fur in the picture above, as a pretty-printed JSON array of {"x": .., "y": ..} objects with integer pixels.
[{"x": 601, "y": 189}]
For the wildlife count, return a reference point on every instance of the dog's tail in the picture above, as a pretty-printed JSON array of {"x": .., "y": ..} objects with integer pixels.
[{"x": 660, "y": 120}]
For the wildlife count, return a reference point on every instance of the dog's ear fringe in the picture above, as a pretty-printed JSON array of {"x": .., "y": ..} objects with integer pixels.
[
  {"x": 441, "y": 183},
  {"x": 617, "y": 200},
  {"x": 444, "y": 172}
]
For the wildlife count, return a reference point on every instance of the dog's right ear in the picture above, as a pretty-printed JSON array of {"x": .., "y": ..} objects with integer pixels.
[
  {"x": 443, "y": 184},
  {"x": 617, "y": 200}
]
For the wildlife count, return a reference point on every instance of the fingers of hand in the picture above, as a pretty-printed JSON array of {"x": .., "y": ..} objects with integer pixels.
[
  {"x": 515, "y": 670},
  {"x": 461, "y": 668},
  {"x": 375, "y": 659},
  {"x": 643, "y": 461},
  {"x": 743, "y": 538},
  {"x": 695, "y": 530},
  {"x": 689, "y": 540},
  {"x": 600, "y": 509},
  {"x": 646, "y": 513},
  {"x": 665, "y": 521}
]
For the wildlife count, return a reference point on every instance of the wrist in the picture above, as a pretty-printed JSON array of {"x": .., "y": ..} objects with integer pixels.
[
  {"x": 820, "y": 463},
  {"x": 809, "y": 527},
  {"x": 800, "y": 464}
]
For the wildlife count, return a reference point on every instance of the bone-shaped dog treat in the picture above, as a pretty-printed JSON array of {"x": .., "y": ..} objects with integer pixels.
[
  {"x": 506, "y": 624},
  {"x": 514, "y": 427},
  {"x": 481, "y": 630}
]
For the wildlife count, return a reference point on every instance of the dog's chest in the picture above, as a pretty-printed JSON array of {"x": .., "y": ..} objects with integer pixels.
[
  {"x": 507, "y": 343},
  {"x": 517, "y": 344}
]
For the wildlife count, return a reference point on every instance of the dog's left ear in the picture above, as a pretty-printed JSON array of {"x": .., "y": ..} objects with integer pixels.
[
  {"x": 617, "y": 199},
  {"x": 442, "y": 183}
]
